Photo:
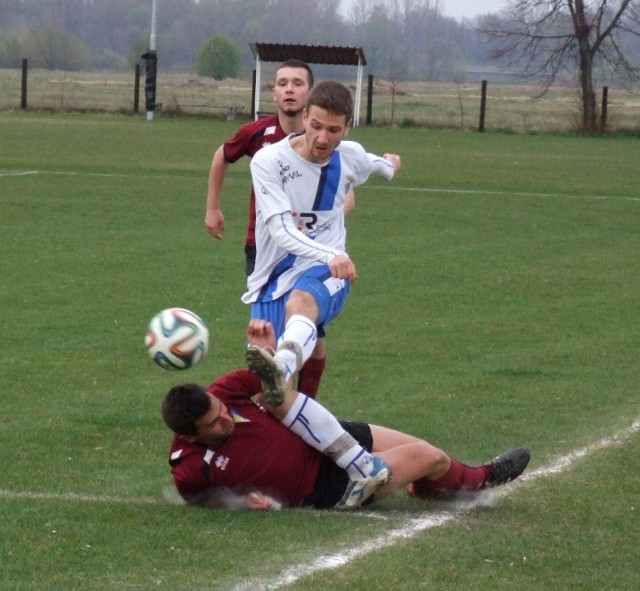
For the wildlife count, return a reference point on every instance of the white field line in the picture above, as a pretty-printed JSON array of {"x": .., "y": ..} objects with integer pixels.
[
  {"x": 4, "y": 173},
  {"x": 512, "y": 194},
  {"x": 17, "y": 172},
  {"x": 44, "y": 496},
  {"x": 416, "y": 526},
  {"x": 470, "y": 192}
]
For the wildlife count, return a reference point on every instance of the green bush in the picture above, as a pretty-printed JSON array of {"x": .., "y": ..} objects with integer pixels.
[
  {"x": 11, "y": 53},
  {"x": 219, "y": 58},
  {"x": 53, "y": 49}
]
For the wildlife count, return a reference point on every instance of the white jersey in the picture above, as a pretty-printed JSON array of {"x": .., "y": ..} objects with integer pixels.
[{"x": 300, "y": 211}]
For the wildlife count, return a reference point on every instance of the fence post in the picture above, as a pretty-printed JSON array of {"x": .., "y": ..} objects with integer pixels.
[
  {"x": 253, "y": 95},
  {"x": 23, "y": 93},
  {"x": 483, "y": 105},
  {"x": 603, "y": 115},
  {"x": 369, "y": 100},
  {"x": 136, "y": 90}
]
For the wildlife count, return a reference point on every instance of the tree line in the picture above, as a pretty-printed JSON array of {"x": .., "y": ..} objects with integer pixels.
[{"x": 402, "y": 39}]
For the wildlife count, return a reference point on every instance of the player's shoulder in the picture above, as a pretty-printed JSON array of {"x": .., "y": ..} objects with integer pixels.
[
  {"x": 266, "y": 126},
  {"x": 351, "y": 148},
  {"x": 276, "y": 150},
  {"x": 183, "y": 454},
  {"x": 237, "y": 385}
]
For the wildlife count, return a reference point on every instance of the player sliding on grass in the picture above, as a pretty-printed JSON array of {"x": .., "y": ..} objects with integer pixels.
[{"x": 227, "y": 451}]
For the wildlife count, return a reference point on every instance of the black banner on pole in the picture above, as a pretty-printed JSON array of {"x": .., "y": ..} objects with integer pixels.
[{"x": 151, "y": 70}]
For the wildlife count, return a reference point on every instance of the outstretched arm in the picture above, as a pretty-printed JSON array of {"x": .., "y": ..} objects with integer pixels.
[
  {"x": 254, "y": 501},
  {"x": 386, "y": 167}
]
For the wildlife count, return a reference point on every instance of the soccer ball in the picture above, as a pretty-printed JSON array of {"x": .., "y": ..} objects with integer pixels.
[{"x": 177, "y": 339}]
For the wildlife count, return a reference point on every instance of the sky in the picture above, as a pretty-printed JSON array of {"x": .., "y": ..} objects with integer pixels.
[
  {"x": 455, "y": 8},
  {"x": 470, "y": 8}
]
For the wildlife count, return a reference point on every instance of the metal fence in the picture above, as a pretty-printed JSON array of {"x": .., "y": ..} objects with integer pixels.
[{"x": 516, "y": 108}]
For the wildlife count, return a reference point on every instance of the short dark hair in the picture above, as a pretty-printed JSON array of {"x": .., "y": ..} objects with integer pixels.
[
  {"x": 332, "y": 97},
  {"x": 183, "y": 406},
  {"x": 298, "y": 64}
]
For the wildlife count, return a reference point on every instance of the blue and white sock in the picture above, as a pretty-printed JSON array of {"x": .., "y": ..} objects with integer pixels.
[{"x": 321, "y": 430}]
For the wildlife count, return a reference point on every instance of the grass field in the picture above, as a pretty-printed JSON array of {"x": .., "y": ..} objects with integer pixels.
[{"x": 497, "y": 305}]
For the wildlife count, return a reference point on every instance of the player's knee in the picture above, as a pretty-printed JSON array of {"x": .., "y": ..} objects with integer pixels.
[
  {"x": 441, "y": 461},
  {"x": 302, "y": 303}
]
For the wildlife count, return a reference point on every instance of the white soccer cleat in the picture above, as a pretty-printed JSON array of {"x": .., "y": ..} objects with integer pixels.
[
  {"x": 273, "y": 377},
  {"x": 359, "y": 491}
]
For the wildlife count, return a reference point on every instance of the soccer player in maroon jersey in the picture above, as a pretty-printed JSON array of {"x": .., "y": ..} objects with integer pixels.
[
  {"x": 294, "y": 79},
  {"x": 232, "y": 449}
]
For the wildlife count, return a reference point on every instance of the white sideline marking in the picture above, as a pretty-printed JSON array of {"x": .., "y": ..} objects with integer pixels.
[
  {"x": 415, "y": 526},
  {"x": 98, "y": 174},
  {"x": 374, "y": 187},
  {"x": 8, "y": 494},
  {"x": 508, "y": 193},
  {"x": 17, "y": 172}
]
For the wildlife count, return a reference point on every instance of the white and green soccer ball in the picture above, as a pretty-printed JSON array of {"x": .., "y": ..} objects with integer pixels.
[{"x": 177, "y": 339}]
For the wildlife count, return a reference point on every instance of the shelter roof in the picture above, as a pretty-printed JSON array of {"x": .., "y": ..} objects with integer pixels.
[{"x": 312, "y": 54}]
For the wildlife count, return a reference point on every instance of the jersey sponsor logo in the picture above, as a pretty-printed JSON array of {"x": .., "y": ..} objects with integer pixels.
[
  {"x": 306, "y": 220},
  {"x": 286, "y": 174},
  {"x": 221, "y": 462},
  {"x": 307, "y": 223}
]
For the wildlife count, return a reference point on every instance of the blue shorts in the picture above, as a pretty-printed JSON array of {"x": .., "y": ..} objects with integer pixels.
[{"x": 330, "y": 295}]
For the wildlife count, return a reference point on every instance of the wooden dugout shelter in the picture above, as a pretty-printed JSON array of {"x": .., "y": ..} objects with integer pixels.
[{"x": 311, "y": 54}]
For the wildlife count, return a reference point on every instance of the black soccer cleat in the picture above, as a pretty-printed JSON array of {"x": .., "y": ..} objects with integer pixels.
[{"x": 507, "y": 467}]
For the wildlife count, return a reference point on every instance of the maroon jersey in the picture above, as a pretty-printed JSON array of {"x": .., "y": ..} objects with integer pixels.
[
  {"x": 247, "y": 141},
  {"x": 260, "y": 454}
]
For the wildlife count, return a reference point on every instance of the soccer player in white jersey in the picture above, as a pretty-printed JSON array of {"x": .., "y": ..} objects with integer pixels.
[{"x": 303, "y": 272}]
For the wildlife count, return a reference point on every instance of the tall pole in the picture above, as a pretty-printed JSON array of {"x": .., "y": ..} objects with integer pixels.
[
  {"x": 152, "y": 36},
  {"x": 151, "y": 68}
]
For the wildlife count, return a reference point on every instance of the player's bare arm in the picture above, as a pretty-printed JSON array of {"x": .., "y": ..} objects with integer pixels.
[
  {"x": 254, "y": 501},
  {"x": 214, "y": 218}
]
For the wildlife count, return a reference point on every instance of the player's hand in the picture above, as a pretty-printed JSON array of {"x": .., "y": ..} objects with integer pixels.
[
  {"x": 260, "y": 502},
  {"x": 342, "y": 267},
  {"x": 393, "y": 159},
  {"x": 214, "y": 220},
  {"x": 261, "y": 333}
]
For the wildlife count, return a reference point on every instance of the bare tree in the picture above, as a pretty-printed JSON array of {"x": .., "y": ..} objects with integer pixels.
[{"x": 548, "y": 37}]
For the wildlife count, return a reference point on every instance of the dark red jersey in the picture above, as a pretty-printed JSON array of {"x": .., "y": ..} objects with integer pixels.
[
  {"x": 259, "y": 455},
  {"x": 246, "y": 142}
]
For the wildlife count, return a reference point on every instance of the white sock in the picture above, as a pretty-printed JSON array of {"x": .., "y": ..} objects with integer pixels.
[
  {"x": 296, "y": 343},
  {"x": 312, "y": 422}
]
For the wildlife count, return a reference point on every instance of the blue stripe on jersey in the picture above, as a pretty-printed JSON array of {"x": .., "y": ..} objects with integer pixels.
[
  {"x": 266, "y": 293},
  {"x": 328, "y": 185}
]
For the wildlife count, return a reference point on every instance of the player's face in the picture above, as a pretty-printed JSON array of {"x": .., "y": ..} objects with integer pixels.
[
  {"x": 291, "y": 90},
  {"x": 215, "y": 425},
  {"x": 323, "y": 133}
]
